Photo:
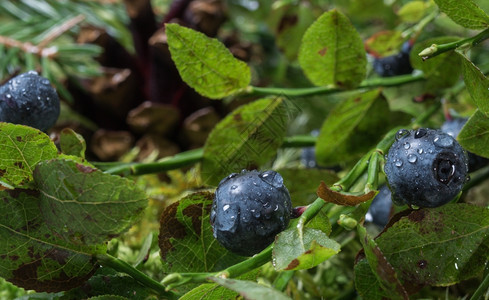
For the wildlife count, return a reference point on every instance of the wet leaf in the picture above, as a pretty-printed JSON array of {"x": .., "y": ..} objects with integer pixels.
[
  {"x": 85, "y": 205},
  {"x": 72, "y": 143},
  {"x": 330, "y": 196},
  {"x": 474, "y": 136},
  {"x": 250, "y": 290},
  {"x": 465, "y": 13},
  {"x": 22, "y": 148},
  {"x": 438, "y": 246},
  {"x": 477, "y": 84},
  {"x": 31, "y": 256},
  {"x": 186, "y": 240},
  {"x": 205, "y": 64},
  {"x": 302, "y": 248},
  {"x": 246, "y": 139},
  {"x": 332, "y": 52},
  {"x": 366, "y": 283},
  {"x": 382, "y": 269}
]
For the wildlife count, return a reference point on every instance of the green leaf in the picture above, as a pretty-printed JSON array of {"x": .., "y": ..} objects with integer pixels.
[
  {"x": 438, "y": 246},
  {"x": 303, "y": 183},
  {"x": 367, "y": 284},
  {"x": 474, "y": 136},
  {"x": 354, "y": 126},
  {"x": 440, "y": 71},
  {"x": 412, "y": 11},
  {"x": 302, "y": 248},
  {"x": 477, "y": 84},
  {"x": 332, "y": 52},
  {"x": 119, "y": 285},
  {"x": 85, "y": 205},
  {"x": 291, "y": 28},
  {"x": 384, "y": 43},
  {"x": 382, "y": 269},
  {"x": 205, "y": 64},
  {"x": 72, "y": 143},
  {"x": 246, "y": 139},
  {"x": 465, "y": 13},
  {"x": 249, "y": 289},
  {"x": 32, "y": 256},
  {"x": 22, "y": 148},
  {"x": 211, "y": 291},
  {"x": 186, "y": 241}
]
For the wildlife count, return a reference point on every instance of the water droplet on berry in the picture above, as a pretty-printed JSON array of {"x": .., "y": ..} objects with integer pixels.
[
  {"x": 398, "y": 163},
  {"x": 45, "y": 81},
  {"x": 407, "y": 145},
  {"x": 233, "y": 187},
  {"x": 401, "y": 133},
  {"x": 33, "y": 72},
  {"x": 8, "y": 96},
  {"x": 272, "y": 178},
  {"x": 420, "y": 150},
  {"x": 443, "y": 141},
  {"x": 276, "y": 208},
  {"x": 225, "y": 207},
  {"x": 412, "y": 158},
  {"x": 420, "y": 133}
]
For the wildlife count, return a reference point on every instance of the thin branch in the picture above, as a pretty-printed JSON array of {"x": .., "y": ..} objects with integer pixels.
[{"x": 59, "y": 30}]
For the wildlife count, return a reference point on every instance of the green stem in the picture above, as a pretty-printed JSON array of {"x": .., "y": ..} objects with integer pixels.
[
  {"x": 435, "y": 49},
  {"x": 186, "y": 158},
  {"x": 322, "y": 90},
  {"x": 480, "y": 177},
  {"x": 481, "y": 289},
  {"x": 345, "y": 183},
  {"x": 373, "y": 171},
  {"x": 121, "y": 266},
  {"x": 283, "y": 278}
]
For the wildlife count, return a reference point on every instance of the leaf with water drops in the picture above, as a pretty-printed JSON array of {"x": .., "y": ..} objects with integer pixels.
[
  {"x": 299, "y": 248},
  {"x": 186, "y": 239},
  {"x": 205, "y": 64},
  {"x": 85, "y": 205},
  {"x": 32, "y": 256},
  {"x": 22, "y": 148},
  {"x": 474, "y": 136},
  {"x": 382, "y": 269},
  {"x": 332, "y": 52},
  {"x": 246, "y": 139},
  {"x": 438, "y": 246}
]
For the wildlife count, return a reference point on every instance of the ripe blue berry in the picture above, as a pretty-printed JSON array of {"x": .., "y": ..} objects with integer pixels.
[
  {"x": 29, "y": 99},
  {"x": 249, "y": 210},
  {"x": 393, "y": 65},
  {"x": 425, "y": 168},
  {"x": 380, "y": 208}
]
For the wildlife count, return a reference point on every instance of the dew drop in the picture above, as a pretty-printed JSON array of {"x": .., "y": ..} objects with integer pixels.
[
  {"x": 420, "y": 150},
  {"x": 456, "y": 266},
  {"x": 443, "y": 141},
  {"x": 33, "y": 72},
  {"x": 225, "y": 207},
  {"x": 8, "y": 96},
  {"x": 276, "y": 208},
  {"x": 398, "y": 163},
  {"x": 233, "y": 187},
  {"x": 407, "y": 145},
  {"x": 401, "y": 133},
  {"x": 45, "y": 81},
  {"x": 412, "y": 158},
  {"x": 272, "y": 178},
  {"x": 420, "y": 133}
]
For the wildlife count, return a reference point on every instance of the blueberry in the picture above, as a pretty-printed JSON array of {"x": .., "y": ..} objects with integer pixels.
[
  {"x": 380, "y": 208},
  {"x": 453, "y": 127},
  {"x": 249, "y": 210},
  {"x": 396, "y": 64},
  {"x": 29, "y": 99},
  {"x": 425, "y": 168}
]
